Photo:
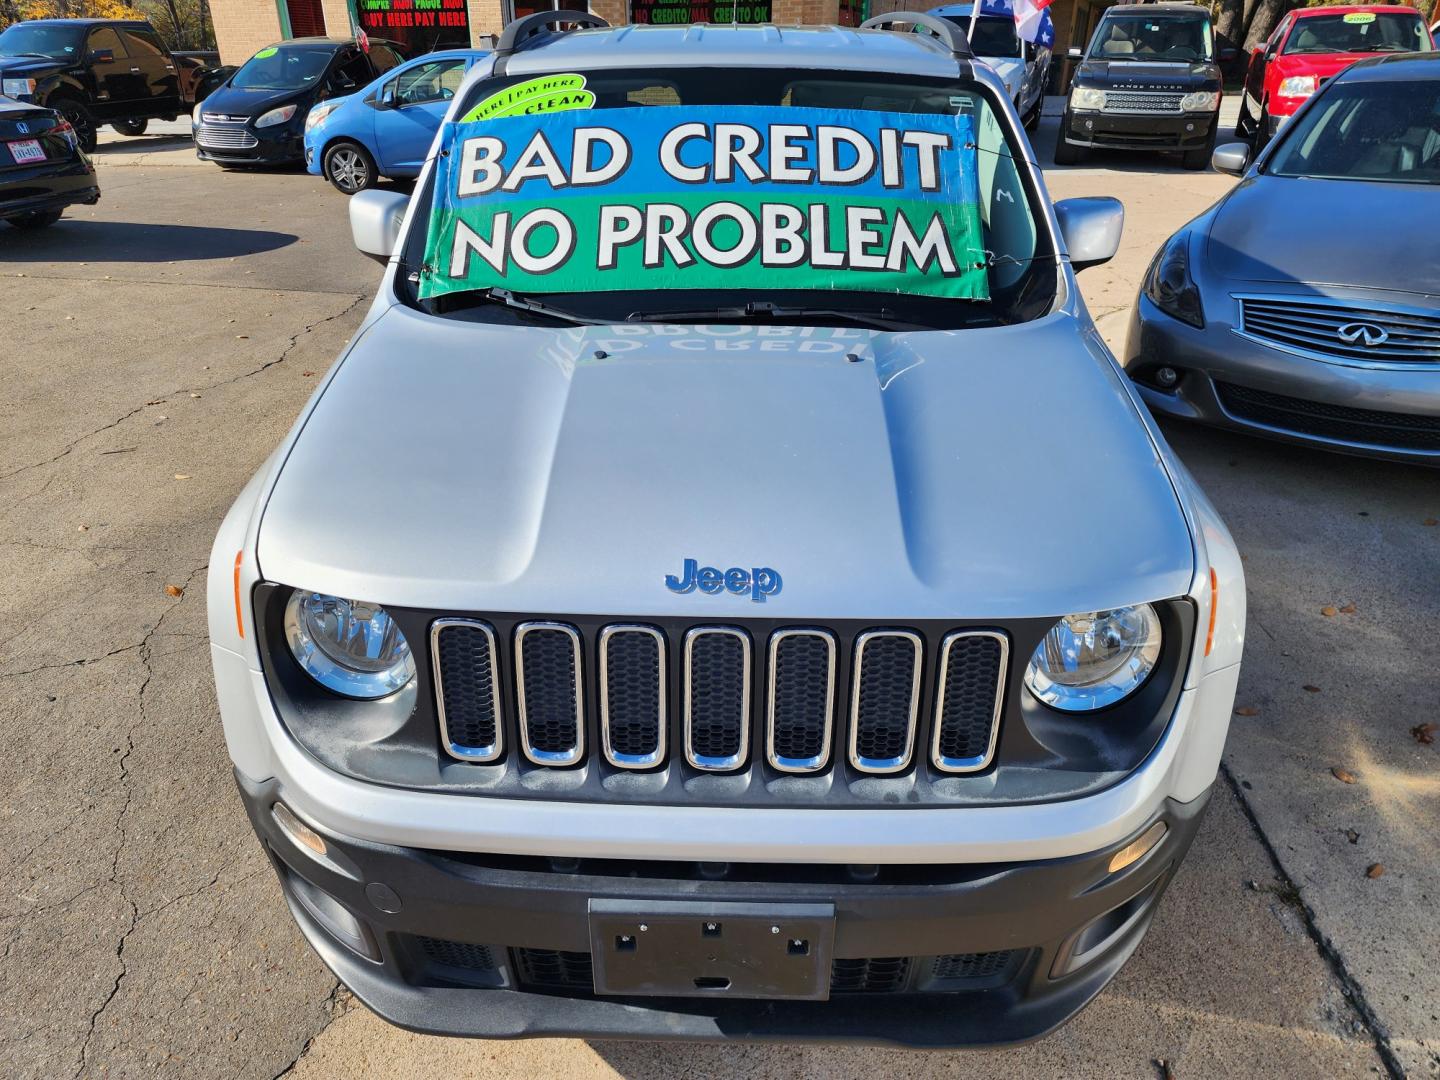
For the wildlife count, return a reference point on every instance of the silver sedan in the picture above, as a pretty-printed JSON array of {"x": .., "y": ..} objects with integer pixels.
[{"x": 1305, "y": 305}]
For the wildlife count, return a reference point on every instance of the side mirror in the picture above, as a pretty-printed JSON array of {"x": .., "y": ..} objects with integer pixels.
[
  {"x": 375, "y": 220},
  {"x": 1075, "y": 52},
  {"x": 387, "y": 98},
  {"x": 102, "y": 56},
  {"x": 1231, "y": 158},
  {"x": 1091, "y": 229}
]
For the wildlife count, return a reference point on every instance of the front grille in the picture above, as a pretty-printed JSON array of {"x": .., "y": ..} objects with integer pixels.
[
  {"x": 225, "y": 136},
  {"x": 717, "y": 697},
  {"x": 1141, "y": 101},
  {"x": 869, "y": 975},
  {"x": 1399, "y": 431},
  {"x": 967, "y": 710},
  {"x": 632, "y": 695},
  {"x": 552, "y": 969},
  {"x": 801, "y": 699},
  {"x": 984, "y": 965},
  {"x": 547, "y": 677},
  {"x": 463, "y": 654},
  {"x": 885, "y": 699},
  {"x": 457, "y": 954},
  {"x": 1343, "y": 331}
]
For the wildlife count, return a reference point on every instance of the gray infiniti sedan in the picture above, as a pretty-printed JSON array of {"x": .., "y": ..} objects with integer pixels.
[{"x": 1305, "y": 305}]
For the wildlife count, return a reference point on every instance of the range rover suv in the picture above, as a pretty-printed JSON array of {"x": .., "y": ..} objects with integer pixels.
[{"x": 726, "y": 589}]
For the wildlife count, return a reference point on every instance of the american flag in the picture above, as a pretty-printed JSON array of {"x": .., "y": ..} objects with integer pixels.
[{"x": 1032, "y": 18}]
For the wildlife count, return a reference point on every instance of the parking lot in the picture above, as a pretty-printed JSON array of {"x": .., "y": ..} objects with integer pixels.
[{"x": 158, "y": 346}]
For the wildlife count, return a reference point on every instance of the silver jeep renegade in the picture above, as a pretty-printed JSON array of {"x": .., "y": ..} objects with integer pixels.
[{"x": 832, "y": 660}]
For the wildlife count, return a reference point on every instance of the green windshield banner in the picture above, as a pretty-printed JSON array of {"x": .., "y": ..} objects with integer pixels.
[{"x": 709, "y": 197}]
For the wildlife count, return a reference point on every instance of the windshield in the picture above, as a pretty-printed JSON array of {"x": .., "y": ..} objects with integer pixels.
[
  {"x": 1138, "y": 38},
  {"x": 1005, "y": 268},
  {"x": 284, "y": 67},
  {"x": 993, "y": 36},
  {"x": 33, "y": 39},
  {"x": 1387, "y": 131},
  {"x": 1359, "y": 31}
]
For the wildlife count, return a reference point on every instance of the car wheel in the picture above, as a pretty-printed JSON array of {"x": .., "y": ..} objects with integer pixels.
[
  {"x": 36, "y": 220},
  {"x": 131, "y": 127},
  {"x": 350, "y": 167},
  {"x": 1031, "y": 120},
  {"x": 1198, "y": 159},
  {"x": 79, "y": 118},
  {"x": 1065, "y": 152}
]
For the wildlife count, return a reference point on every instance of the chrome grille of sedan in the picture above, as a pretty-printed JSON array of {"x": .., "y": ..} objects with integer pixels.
[
  {"x": 1141, "y": 101},
  {"x": 224, "y": 136},
  {"x": 1342, "y": 330},
  {"x": 779, "y": 699}
]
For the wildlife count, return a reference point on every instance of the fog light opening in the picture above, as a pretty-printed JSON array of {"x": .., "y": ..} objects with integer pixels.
[
  {"x": 1166, "y": 377},
  {"x": 1138, "y": 848},
  {"x": 298, "y": 831}
]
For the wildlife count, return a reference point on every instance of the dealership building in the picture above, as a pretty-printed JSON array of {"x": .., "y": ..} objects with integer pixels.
[{"x": 244, "y": 26}]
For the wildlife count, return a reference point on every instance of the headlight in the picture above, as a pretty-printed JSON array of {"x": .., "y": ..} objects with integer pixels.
[
  {"x": 1200, "y": 101},
  {"x": 17, "y": 88},
  {"x": 276, "y": 116},
  {"x": 195, "y": 113},
  {"x": 1087, "y": 97},
  {"x": 1296, "y": 86},
  {"x": 319, "y": 113},
  {"x": 1169, "y": 285},
  {"x": 1095, "y": 659},
  {"x": 347, "y": 646}
]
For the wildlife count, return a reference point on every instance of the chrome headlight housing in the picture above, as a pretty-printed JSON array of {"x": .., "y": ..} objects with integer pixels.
[
  {"x": 1088, "y": 98},
  {"x": 1200, "y": 101},
  {"x": 349, "y": 647},
  {"x": 1095, "y": 659},
  {"x": 276, "y": 116},
  {"x": 317, "y": 115},
  {"x": 1297, "y": 86},
  {"x": 17, "y": 88},
  {"x": 195, "y": 113}
]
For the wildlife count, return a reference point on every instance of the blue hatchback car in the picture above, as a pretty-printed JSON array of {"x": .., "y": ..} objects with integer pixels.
[{"x": 386, "y": 128}]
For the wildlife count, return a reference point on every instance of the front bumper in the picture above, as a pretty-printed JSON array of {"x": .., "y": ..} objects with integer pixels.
[
  {"x": 281, "y": 146},
  {"x": 48, "y": 186},
  {"x": 501, "y": 947},
  {"x": 1131, "y": 131},
  {"x": 1234, "y": 382}
]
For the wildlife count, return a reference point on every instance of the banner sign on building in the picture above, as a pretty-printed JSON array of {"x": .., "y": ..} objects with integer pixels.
[
  {"x": 707, "y": 197},
  {"x": 418, "y": 23},
  {"x": 684, "y": 12}
]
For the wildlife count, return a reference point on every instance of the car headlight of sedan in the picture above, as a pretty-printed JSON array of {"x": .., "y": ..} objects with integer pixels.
[
  {"x": 1087, "y": 98},
  {"x": 1200, "y": 101},
  {"x": 318, "y": 114},
  {"x": 1169, "y": 284},
  {"x": 1095, "y": 659},
  {"x": 276, "y": 116},
  {"x": 17, "y": 88},
  {"x": 195, "y": 113},
  {"x": 1297, "y": 86},
  {"x": 349, "y": 647}
]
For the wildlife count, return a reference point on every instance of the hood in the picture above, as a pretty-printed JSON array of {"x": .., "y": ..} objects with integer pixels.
[
  {"x": 30, "y": 67},
  {"x": 1323, "y": 65},
  {"x": 1010, "y": 70},
  {"x": 1138, "y": 75},
  {"x": 988, "y": 473},
  {"x": 232, "y": 101},
  {"x": 1274, "y": 228}
]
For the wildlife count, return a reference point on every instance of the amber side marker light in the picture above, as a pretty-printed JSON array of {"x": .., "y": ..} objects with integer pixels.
[
  {"x": 298, "y": 831},
  {"x": 240, "y": 616},
  {"x": 1214, "y": 607},
  {"x": 1139, "y": 847}
]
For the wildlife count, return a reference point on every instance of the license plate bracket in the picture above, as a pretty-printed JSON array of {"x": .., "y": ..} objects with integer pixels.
[
  {"x": 683, "y": 948},
  {"x": 27, "y": 151}
]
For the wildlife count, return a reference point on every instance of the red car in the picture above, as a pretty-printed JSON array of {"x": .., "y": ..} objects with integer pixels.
[{"x": 1309, "y": 47}]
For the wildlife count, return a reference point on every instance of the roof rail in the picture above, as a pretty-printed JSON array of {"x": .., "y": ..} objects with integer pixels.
[
  {"x": 949, "y": 33},
  {"x": 518, "y": 33}
]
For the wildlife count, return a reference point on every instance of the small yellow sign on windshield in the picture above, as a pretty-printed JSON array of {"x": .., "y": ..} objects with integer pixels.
[
  {"x": 1360, "y": 17},
  {"x": 552, "y": 93},
  {"x": 263, "y": 53}
]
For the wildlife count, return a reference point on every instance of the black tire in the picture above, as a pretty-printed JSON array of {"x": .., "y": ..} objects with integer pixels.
[
  {"x": 1031, "y": 120},
  {"x": 131, "y": 127},
  {"x": 79, "y": 118},
  {"x": 37, "y": 220},
  {"x": 1065, "y": 152},
  {"x": 1196, "y": 160},
  {"x": 349, "y": 167}
]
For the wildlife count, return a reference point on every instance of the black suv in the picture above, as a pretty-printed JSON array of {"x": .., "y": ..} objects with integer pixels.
[
  {"x": 98, "y": 71},
  {"x": 1148, "y": 81}
]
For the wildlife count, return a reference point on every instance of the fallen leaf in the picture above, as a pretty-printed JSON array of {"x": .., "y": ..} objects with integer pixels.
[
  {"x": 1310, "y": 689},
  {"x": 1430, "y": 521},
  {"x": 1375, "y": 870},
  {"x": 82, "y": 528},
  {"x": 182, "y": 476},
  {"x": 242, "y": 337},
  {"x": 194, "y": 395},
  {"x": 1352, "y": 836},
  {"x": 306, "y": 374},
  {"x": 1247, "y": 710},
  {"x": 1348, "y": 609},
  {"x": 1345, "y": 776},
  {"x": 174, "y": 590},
  {"x": 1328, "y": 611},
  {"x": 1425, "y": 733},
  {"x": 157, "y": 401}
]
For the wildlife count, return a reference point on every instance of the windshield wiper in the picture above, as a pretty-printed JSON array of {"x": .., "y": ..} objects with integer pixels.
[
  {"x": 878, "y": 319},
  {"x": 525, "y": 303}
]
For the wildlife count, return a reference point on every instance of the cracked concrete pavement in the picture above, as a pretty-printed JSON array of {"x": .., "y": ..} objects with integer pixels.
[{"x": 156, "y": 348}]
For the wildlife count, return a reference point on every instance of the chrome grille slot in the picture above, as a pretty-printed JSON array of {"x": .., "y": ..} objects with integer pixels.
[
  {"x": 1141, "y": 101},
  {"x": 801, "y": 699},
  {"x": 717, "y": 697},
  {"x": 968, "y": 700},
  {"x": 1319, "y": 328},
  {"x": 884, "y": 700},
  {"x": 632, "y": 696},
  {"x": 462, "y": 653},
  {"x": 549, "y": 692},
  {"x": 224, "y": 136}
]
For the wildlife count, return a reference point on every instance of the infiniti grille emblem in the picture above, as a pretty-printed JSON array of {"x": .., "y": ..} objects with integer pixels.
[{"x": 1364, "y": 333}]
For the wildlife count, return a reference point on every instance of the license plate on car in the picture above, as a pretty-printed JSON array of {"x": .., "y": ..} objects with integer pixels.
[
  {"x": 682, "y": 948},
  {"x": 26, "y": 151}
]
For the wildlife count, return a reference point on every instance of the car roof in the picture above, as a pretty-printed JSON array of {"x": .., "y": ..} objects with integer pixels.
[
  {"x": 128, "y": 24},
  {"x": 449, "y": 54},
  {"x": 945, "y": 10},
  {"x": 1160, "y": 11},
  {"x": 694, "y": 44},
  {"x": 1397, "y": 67},
  {"x": 1347, "y": 9}
]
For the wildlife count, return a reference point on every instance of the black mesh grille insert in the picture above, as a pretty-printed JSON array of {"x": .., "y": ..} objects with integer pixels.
[
  {"x": 467, "y": 683},
  {"x": 632, "y": 692},
  {"x": 458, "y": 954},
  {"x": 885, "y": 702},
  {"x": 967, "y": 708},
  {"x": 553, "y": 969},
  {"x": 982, "y": 965},
  {"x": 869, "y": 975},
  {"x": 718, "y": 705},
  {"x": 549, "y": 678},
  {"x": 1403, "y": 431},
  {"x": 800, "y": 712}
]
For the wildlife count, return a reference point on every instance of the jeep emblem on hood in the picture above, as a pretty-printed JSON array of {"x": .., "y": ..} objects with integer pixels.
[{"x": 758, "y": 581}]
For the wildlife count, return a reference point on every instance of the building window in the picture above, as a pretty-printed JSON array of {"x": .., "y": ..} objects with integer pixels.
[
  {"x": 307, "y": 18},
  {"x": 853, "y": 12}
]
